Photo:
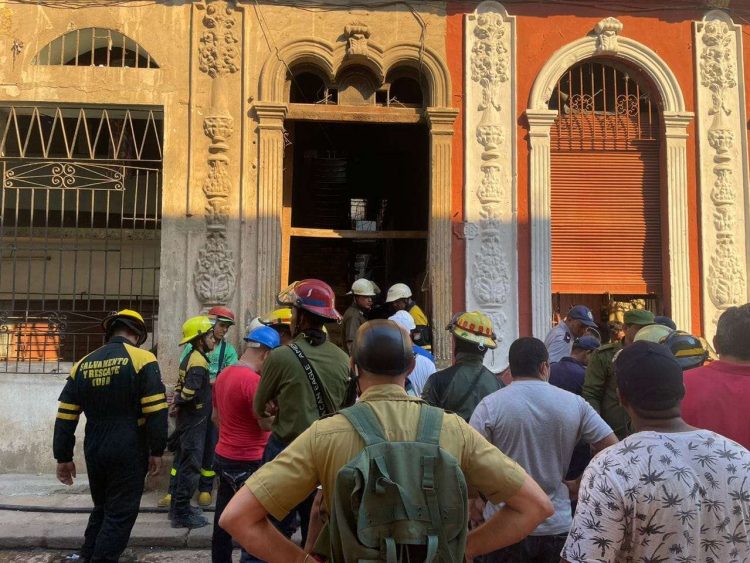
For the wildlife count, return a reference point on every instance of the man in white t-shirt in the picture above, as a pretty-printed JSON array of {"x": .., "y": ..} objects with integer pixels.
[
  {"x": 538, "y": 425},
  {"x": 669, "y": 492}
]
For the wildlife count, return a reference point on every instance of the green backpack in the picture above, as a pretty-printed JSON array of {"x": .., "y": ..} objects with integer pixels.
[{"x": 398, "y": 501}]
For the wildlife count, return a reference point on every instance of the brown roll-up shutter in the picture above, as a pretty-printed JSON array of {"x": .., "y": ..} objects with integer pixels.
[{"x": 606, "y": 225}]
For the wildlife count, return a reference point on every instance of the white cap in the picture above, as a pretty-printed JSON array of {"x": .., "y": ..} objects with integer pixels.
[
  {"x": 364, "y": 288},
  {"x": 398, "y": 291},
  {"x": 255, "y": 323},
  {"x": 403, "y": 319}
]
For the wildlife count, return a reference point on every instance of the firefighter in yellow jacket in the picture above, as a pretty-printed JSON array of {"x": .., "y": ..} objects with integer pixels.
[
  {"x": 119, "y": 389},
  {"x": 192, "y": 401}
]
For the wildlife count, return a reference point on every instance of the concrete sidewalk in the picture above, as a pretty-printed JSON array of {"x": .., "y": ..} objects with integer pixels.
[{"x": 25, "y": 529}]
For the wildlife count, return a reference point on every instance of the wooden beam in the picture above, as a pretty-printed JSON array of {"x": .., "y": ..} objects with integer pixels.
[
  {"x": 349, "y": 234},
  {"x": 361, "y": 114}
]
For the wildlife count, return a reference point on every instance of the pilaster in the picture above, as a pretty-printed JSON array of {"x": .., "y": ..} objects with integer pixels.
[
  {"x": 270, "y": 197},
  {"x": 441, "y": 122},
  {"x": 490, "y": 173},
  {"x": 722, "y": 145}
]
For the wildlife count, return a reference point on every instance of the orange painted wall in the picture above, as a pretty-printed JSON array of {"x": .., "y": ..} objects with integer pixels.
[{"x": 542, "y": 30}]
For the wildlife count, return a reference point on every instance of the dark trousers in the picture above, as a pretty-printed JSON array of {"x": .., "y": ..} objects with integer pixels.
[
  {"x": 533, "y": 549},
  {"x": 188, "y": 459},
  {"x": 232, "y": 475},
  {"x": 288, "y": 525},
  {"x": 116, "y": 478},
  {"x": 206, "y": 482}
]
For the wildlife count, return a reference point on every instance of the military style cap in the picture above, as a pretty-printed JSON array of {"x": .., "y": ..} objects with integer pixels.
[{"x": 639, "y": 317}]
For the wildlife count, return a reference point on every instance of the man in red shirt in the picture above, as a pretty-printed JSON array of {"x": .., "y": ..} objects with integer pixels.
[
  {"x": 241, "y": 439},
  {"x": 717, "y": 394}
]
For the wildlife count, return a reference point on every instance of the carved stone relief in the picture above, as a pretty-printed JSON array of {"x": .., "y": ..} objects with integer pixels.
[
  {"x": 215, "y": 273},
  {"x": 723, "y": 155},
  {"x": 490, "y": 173},
  {"x": 606, "y": 32},
  {"x": 357, "y": 35}
]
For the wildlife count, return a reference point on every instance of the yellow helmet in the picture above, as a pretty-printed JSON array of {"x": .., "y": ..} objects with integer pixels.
[
  {"x": 132, "y": 319},
  {"x": 195, "y": 327},
  {"x": 475, "y": 327},
  {"x": 281, "y": 316}
]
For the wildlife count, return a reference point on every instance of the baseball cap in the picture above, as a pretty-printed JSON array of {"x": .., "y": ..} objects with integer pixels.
[
  {"x": 638, "y": 317},
  {"x": 649, "y": 376},
  {"x": 583, "y": 314},
  {"x": 586, "y": 343}
]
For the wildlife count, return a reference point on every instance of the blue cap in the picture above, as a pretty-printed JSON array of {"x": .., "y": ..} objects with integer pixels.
[
  {"x": 583, "y": 314},
  {"x": 586, "y": 343},
  {"x": 263, "y": 335},
  {"x": 665, "y": 321}
]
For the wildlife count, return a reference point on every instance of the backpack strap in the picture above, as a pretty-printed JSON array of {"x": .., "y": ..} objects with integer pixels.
[
  {"x": 364, "y": 421},
  {"x": 430, "y": 424}
]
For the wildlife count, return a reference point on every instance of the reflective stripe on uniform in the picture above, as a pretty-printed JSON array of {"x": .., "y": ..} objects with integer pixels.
[
  {"x": 68, "y": 406},
  {"x": 152, "y": 398},
  {"x": 186, "y": 391},
  {"x": 173, "y": 472},
  {"x": 208, "y": 473},
  {"x": 67, "y": 416},
  {"x": 154, "y": 408}
]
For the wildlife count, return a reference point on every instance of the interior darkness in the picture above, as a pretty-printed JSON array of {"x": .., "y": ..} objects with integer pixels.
[{"x": 384, "y": 169}]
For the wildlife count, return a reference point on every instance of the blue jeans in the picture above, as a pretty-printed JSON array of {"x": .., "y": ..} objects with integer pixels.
[{"x": 532, "y": 549}]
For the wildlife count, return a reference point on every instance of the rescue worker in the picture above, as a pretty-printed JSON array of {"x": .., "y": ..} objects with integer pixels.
[
  {"x": 304, "y": 380},
  {"x": 600, "y": 384},
  {"x": 462, "y": 386},
  {"x": 559, "y": 341},
  {"x": 382, "y": 357},
  {"x": 192, "y": 403},
  {"x": 399, "y": 298},
  {"x": 364, "y": 292},
  {"x": 119, "y": 388},
  {"x": 223, "y": 355},
  {"x": 281, "y": 321}
]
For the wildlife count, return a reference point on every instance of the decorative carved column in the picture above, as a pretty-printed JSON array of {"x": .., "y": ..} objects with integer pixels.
[
  {"x": 441, "y": 122},
  {"x": 215, "y": 275},
  {"x": 722, "y": 143},
  {"x": 270, "y": 200},
  {"x": 540, "y": 122},
  {"x": 490, "y": 160},
  {"x": 675, "y": 137}
]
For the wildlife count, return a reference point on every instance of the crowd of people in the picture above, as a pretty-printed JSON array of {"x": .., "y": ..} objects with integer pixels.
[{"x": 581, "y": 450}]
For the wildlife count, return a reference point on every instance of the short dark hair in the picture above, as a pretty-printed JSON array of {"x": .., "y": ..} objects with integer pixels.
[
  {"x": 732, "y": 330},
  {"x": 466, "y": 347},
  {"x": 316, "y": 321},
  {"x": 526, "y": 355}
]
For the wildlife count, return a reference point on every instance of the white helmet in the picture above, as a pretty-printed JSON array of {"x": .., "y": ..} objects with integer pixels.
[
  {"x": 364, "y": 288},
  {"x": 398, "y": 291}
]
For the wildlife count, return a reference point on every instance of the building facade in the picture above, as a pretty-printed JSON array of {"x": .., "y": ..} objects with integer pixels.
[{"x": 515, "y": 158}]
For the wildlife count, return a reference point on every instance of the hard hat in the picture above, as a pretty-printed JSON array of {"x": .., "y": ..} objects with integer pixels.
[
  {"x": 382, "y": 348},
  {"x": 255, "y": 323},
  {"x": 263, "y": 335},
  {"x": 475, "y": 327},
  {"x": 686, "y": 348},
  {"x": 195, "y": 327},
  {"x": 364, "y": 287},
  {"x": 221, "y": 314},
  {"x": 276, "y": 317},
  {"x": 653, "y": 333},
  {"x": 131, "y": 319},
  {"x": 404, "y": 319},
  {"x": 314, "y": 296},
  {"x": 398, "y": 291}
]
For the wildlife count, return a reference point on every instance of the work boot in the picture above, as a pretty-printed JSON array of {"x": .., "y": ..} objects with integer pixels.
[
  {"x": 190, "y": 520},
  {"x": 164, "y": 501},
  {"x": 204, "y": 499}
]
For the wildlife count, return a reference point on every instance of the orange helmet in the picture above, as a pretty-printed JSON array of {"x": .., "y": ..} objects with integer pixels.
[
  {"x": 221, "y": 314},
  {"x": 314, "y": 296}
]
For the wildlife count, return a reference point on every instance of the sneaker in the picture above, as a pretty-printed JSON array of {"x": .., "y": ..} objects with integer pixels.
[
  {"x": 204, "y": 499},
  {"x": 164, "y": 501},
  {"x": 190, "y": 521}
]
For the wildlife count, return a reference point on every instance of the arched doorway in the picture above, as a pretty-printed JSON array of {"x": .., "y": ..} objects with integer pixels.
[{"x": 606, "y": 196}]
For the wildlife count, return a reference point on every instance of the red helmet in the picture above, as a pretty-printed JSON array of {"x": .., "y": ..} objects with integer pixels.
[
  {"x": 314, "y": 296},
  {"x": 221, "y": 314}
]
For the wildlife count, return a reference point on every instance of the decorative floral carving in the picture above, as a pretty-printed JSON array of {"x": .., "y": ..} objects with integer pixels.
[
  {"x": 606, "y": 32},
  {"x": 718, "y": 73},
  {"x": 215, "y": 275},
  {"x": 218, "y": 50},
  {"x": 489, "y": 58},
  {"x": 357, "y": 35}
]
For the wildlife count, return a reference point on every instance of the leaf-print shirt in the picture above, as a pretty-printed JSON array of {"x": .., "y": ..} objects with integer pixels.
[{"x": 680, "y": 497}]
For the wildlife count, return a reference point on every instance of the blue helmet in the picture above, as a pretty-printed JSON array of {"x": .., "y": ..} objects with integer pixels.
[{"x": 264, "y": 335}]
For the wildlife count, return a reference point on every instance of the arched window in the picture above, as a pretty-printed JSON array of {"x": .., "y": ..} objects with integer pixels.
[
  {"x": 309, "y": 87},
  {"x": 93, "y": 46},
  {"x": 405, "y": 87}
]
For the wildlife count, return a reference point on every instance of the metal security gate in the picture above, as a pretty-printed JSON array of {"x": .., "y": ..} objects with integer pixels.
[{"x": 80, "y": 219}]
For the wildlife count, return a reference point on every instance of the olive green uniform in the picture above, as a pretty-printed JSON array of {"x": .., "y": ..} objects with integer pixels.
[
  {"x": 600, "y": 389},
  {"x": 354, "y": 317}
]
